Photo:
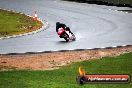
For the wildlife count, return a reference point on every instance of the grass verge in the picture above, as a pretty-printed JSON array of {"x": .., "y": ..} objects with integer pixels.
[
  {"x": 65, "y": 77},
  {"x": 15, "y": 23}
]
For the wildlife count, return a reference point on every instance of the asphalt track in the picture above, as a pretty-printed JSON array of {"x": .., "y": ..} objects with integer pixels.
[{"x": 94, "y": 26}]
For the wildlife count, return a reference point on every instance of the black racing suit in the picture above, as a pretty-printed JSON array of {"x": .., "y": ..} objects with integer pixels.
[{"x": 59, "y": 25}]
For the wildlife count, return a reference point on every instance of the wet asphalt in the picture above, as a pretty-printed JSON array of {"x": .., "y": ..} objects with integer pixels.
[{"x": 94, "y": 26}]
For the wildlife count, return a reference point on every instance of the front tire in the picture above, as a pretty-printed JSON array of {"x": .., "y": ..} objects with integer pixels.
[
  {"x": 67, "y": 40},
  {"x": 66, "y": 37}
]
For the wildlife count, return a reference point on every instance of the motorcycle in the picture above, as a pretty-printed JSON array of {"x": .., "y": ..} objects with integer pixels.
[{"x": 66, "y": 35}]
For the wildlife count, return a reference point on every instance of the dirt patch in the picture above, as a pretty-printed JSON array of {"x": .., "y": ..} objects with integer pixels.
[{"x": 44, "y": 61}]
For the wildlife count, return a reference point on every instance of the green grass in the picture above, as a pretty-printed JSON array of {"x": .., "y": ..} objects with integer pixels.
[
  {"x": 65, "y": 77},
  {"x": 14, "y": 23}
]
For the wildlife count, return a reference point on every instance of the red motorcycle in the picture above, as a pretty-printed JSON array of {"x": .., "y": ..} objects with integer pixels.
[{"x": 66, "y": 35}]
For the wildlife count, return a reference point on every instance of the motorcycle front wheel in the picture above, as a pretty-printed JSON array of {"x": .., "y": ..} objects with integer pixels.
[{"x": 67, "y": 40}]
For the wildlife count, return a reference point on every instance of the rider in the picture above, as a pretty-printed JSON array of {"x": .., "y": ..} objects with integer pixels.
[{"x": 59, "y": 25}]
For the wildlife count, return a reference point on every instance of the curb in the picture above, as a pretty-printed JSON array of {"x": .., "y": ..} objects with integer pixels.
[
  {"x": 120, "y": 11},
  {"x": 70, "y": 50},
  {"x": 44, "y": 27}
]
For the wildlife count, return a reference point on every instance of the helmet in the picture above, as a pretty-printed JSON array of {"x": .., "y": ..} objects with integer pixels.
[{"x": 57, "y": 23}]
